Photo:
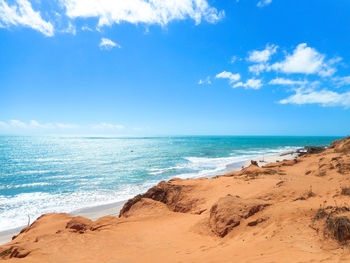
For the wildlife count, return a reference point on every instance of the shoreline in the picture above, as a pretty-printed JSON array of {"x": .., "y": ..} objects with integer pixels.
[
  {"x": 92, "y": 213},
  {"x": 113, "y": 209}
]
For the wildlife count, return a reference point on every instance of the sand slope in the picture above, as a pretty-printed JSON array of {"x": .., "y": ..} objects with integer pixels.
[{"x": 290, "y": 211}]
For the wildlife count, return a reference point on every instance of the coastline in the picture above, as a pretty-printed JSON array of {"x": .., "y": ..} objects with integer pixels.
[
  {"x": 113, "y": 209},
  {"x": 92, "y": 213},
  {"x": 299, "y": 206}
]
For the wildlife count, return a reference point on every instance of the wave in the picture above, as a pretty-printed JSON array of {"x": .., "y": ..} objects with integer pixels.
[
  {"x": 16, "y": 209},
  {"x": 24, "y": 185}
]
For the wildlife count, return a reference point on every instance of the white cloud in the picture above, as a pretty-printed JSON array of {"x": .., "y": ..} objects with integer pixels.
[
  {"x": 142, "y": 11},
  {"x": 263, "y": 3},
  {"x": 33, "y": 124},
  {"x": 108, "y": 44},
  {"x": 70, "y": 29},
  {"x": 342, "y": 81},
  {"x": 233, "y": 59},
  {"x": 66, "y": 126},
  {"x": 86, "y": 28},
  {"x": 17, "y": 123},
  {"x": 108, "y": 12},
  {"x": 258, "y": 68},
  {"x": 250, "y": 84},
  {"x": 283, "y": 81},
  {"x": 259, "y": 56},
  {"x": 22, "y": 14},
  {"x": 204, "y": 81},
  {"x": 305, "y": 60},
  {"x": 3, "y": 124},
  {"x": 104, "y": 125},
  {"x": 228, "y": 75},
  {"x": 335, "y": 60},
  {"x": 323, "y": 97}
]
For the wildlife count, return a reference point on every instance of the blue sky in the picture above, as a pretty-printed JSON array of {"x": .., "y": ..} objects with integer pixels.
[{"x": 184, "y": 67}]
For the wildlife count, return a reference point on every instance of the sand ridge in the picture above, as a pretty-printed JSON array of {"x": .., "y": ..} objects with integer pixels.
[{"x": 289, "y": 211}]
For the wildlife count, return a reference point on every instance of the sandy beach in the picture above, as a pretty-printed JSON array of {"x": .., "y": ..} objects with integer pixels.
[
  {"x": 96, "y": 212},
  {"x": 93, "y": 213}
]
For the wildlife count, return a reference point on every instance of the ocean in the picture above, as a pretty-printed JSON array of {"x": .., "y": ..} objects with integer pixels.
[{"x": 61, "y": 174}]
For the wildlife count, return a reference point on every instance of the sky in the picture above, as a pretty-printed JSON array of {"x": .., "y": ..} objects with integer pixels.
[{"x": 175, "y": 67}]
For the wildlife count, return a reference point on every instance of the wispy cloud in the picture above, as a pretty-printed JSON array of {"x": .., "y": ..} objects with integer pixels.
[
  {"x": 110, "y": 126},
  {"x": 259, "y": 68},
  {"x": 259, "y": 56},
  {"x": 263, "y": 3},
  {"x": 228, "y": 75},
  {"x": 205, "y": 81},
  {"x": 21, "y": 13},
  {"x": 288, "y": 82},
  {"x": 86, "y": 28},
  {"x": 233, "y": 59},
  {"x": 34, "y": 125},
  {"x": 250, "y": 84},
  {"x": 69, "y": 29},
  {"x": 107, "y": 44},
  {"x": 342, "y": 81}
]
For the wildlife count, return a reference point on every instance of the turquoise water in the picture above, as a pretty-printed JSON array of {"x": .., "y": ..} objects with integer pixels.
[{"x": 61, "y": 174}]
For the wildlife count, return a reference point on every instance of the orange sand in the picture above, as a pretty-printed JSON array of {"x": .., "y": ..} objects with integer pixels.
[{"x": 253, "y": 215}]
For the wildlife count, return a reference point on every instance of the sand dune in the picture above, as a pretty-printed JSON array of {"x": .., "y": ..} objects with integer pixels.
[{"x": 290, "y": 211}]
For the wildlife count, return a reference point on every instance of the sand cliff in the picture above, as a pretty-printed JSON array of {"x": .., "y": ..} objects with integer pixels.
[{"x": 290, "y": 211}]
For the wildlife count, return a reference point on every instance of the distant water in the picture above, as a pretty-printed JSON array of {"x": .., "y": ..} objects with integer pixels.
[{"x": 61, "y": 174}]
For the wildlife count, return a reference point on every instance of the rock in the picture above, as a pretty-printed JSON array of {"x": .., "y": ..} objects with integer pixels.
[
  {"x": 169, "y": 193},
  {"x": 315, "y": 149},
  {"x": 14, "y": 252},
  {"x": 339, "y": 142},
  {"x": 228, "y": 212},
  {"x": 127, "y": 206},
  {"x": 255, "y": 222},
  {"x": 147, "y": 207},
  {"x": 79, "y": 224},
  {"x": 255, "y": 163}
]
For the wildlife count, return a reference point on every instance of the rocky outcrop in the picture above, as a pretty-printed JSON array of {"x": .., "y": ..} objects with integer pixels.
[
  {"x": 339, "y": 143},
  {"x": 314, "y": 149},
  {"x": 14, "y": 252},
  {"x": 79, "y": 224},
  {"x": 228, "y": 212},
  {"x": 170, "y": 193}
]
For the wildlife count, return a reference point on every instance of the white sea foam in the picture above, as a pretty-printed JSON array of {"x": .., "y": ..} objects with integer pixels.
[
  {"x": 24, "y": 185},
  {"x": 15, "y": 210},
  {"x": 208, "y": 167},
  {"x": 37, "y": 171}
]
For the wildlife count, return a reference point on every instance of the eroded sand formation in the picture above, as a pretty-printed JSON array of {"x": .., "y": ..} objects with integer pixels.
[{"x": 290, "y": 211}]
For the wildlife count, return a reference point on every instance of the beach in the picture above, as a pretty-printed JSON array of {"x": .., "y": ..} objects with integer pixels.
[
  {"x": 92, "y": 213},
  {"x": 113, "y": 209}
]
